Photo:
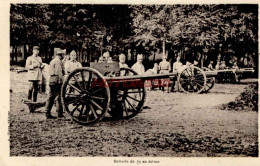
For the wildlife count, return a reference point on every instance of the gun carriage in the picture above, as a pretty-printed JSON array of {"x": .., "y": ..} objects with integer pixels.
[
  {"x": 88, "y": 93},
  {"x": 232, "y": 75}
]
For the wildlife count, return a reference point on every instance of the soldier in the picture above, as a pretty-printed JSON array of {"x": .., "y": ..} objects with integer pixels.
[
  {"x": 217, "y": 67},
  {"x": 101, "y": 59},
  {"x": 150, "y": 84},
  {"x": 109, "y": 60},
  {"x": 176, "y": 66},
  {"x": 210, "y": 66},
  {"x": 164, "y": 67},
  {"x": 106, "y": 55},
  {"x": 73, "y": 63},
  {"x": 222, "y": 65},
  {"x": 122, "y": 63},
  {"x": 34, "y": 66},
  {"x": 138, "y": 67},
  {"x": 56, "y": 71}
]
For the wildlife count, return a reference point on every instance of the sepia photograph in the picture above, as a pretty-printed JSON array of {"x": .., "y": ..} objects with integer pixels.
[{"x": 133, "y": 80}]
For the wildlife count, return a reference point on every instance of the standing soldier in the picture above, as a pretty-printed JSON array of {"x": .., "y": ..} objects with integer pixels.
[
  {"x": 176, "y": 67},
  {"x": 164, "y": 67},
  {"x": 138, "y": 67},
  {"x": 34, "y": 66},
  {"x": 56, "y": 72},
  {"x": 73, "y": 63}
]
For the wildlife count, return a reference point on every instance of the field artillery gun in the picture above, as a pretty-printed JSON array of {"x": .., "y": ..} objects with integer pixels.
[
  {"x": 231, "y": 75},
  {"x": 88, "y": 93}
]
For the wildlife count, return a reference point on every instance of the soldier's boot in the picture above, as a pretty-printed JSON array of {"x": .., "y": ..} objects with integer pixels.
[
  {"x": 30, "y": 94},
  {"x": 35, "y": 94}
]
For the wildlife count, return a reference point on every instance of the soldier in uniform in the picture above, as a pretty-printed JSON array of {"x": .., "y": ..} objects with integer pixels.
[
  {"x": 56, "y": 71},
  {"x": 122, "y": 63},
  {"x": 176, "y": 66},
  {"x": 164, "y": 67},
  {"x": 101, "y": 59},
  {"x": 34, "y": 66},
  {"x": 138, "y": 67},
  {"x": 73, "y": 63},
  {"x": 210, "y": 66}
]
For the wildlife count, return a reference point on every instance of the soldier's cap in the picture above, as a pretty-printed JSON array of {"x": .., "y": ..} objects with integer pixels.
[
  {"x": 36, "y": 47},
  {"x": 73, "y": 52},
  {"x": 59, "y": 52}
]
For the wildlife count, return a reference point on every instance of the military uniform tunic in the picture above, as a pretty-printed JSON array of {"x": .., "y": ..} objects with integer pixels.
[{"x": 33, "y": 64}]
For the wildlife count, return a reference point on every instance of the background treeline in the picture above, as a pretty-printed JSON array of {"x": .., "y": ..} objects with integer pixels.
[{"x": 190, "y": 31}]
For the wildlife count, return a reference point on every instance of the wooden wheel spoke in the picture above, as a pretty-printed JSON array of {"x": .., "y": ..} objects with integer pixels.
[
  {"x": 126, "y": 111},
  {"x": 74, "y": 87},
  {"x": 185, "y": 75},
  {"x": 72, "y": 101},
  {"x": 97, "y": 97},
  {"x": 187, "y": 72},
  {"x": 78, "y": 83},
  {"x": 74, "y": 95},
  {"x": 186, "y": 86},
  {"x": 133, "y": 98},
  {"x": 199, "y": 84},
  {"x": 96, "y": 91},
  {"x": 74, "y": 109},
  {"x": 207, "y": 85},
  {"x": 89, "y": 80},
  {"x": 81, "y": 111},
  {"x": 96, "y": 104},
  {"x": 135, "y": 92},
  {"x": 184, "y": 81},
  {"x": 93, "y": 111},
  {"x": 199, "y": 81},
  {"x": 83, "y": 79},
  {"x": 199, "y": 76},
  {"x": 87, "y": 115},
  {"x": 130, "y": 104},
  {"x": 185, "y": 78}
]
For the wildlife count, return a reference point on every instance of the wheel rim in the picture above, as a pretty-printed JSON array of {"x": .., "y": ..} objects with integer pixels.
[
  {"x": 192, "y": 80},
  {"x": 85, "y": 95},
  {"x": 132, "y": 100}
]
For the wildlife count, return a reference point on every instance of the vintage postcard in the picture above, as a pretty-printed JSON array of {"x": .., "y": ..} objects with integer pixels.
[{"x": 129, "y": 83}]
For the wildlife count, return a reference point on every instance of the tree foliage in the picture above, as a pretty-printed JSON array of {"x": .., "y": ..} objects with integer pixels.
[
  {"x": 191, "y": 26},
  {"x": 203, "y": 29}
]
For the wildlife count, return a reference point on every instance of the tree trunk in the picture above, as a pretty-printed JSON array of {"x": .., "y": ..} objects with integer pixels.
[
  {"x": 25, "y": 51},
  {"x": 12, "y": 55},
  {"x": 202, "y": 60},
  {"x": 81, "y": 54},
  {"x": 154, "y": 56},
  {"x": 16, "y": 52},
  {"x": 164, "y": 46}
]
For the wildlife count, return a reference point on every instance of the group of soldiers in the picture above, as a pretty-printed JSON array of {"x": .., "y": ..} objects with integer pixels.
[
  {"x": 60, "y": 65},
  {"x": 63, "y": 64},
  {"x": 233, "y": 63}
]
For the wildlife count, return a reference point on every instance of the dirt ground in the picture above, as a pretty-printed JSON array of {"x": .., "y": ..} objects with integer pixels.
[{"x": 176, "y": 125}]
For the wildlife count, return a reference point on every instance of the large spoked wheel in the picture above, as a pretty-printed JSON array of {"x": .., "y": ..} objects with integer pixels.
[
  {"x": 192, "y": 80},
  {"x": 131, "y": 99},
  {"x": 85, "y": 95},
  {"x": 209, "y": 85}
]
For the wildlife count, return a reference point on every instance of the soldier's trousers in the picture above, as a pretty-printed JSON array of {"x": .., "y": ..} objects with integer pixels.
[
  {"x": 54, "y": 93},
  {"x": 33, "y": 91}
]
